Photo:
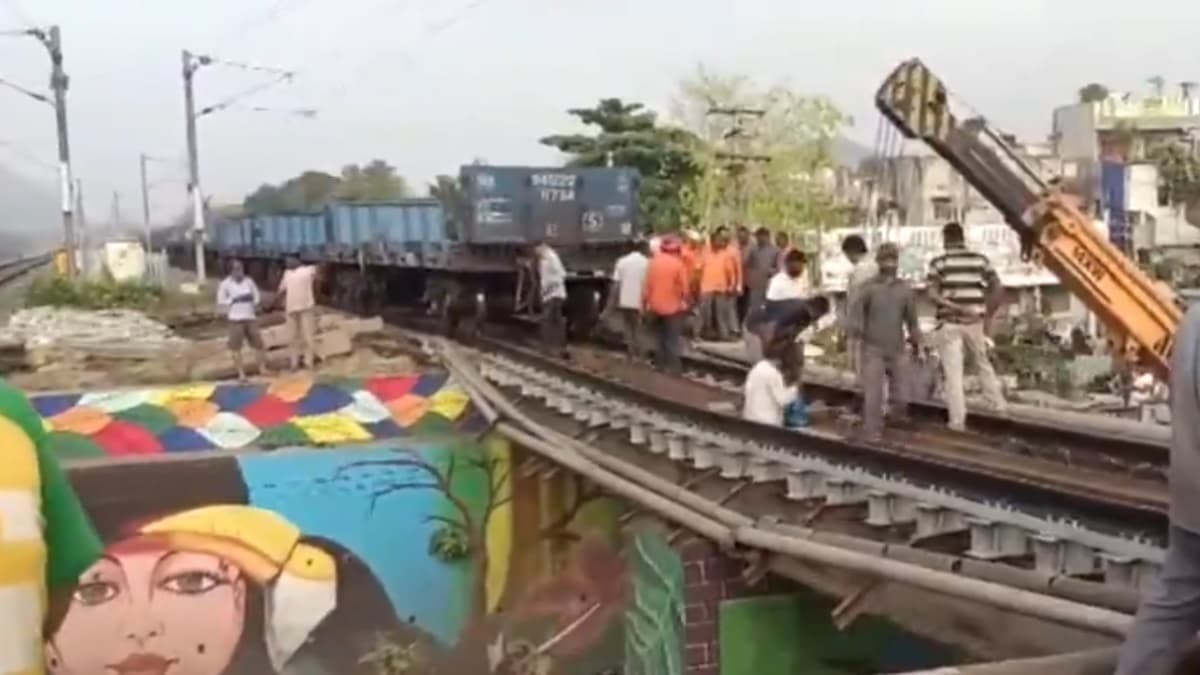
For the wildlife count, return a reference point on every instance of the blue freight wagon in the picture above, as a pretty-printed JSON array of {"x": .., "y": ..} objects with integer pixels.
[
  {"x": 410, "y": 232},
  {"x": 568, "y": 207}
]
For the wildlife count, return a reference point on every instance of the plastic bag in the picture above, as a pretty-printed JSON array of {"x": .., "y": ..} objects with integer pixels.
[{"x": 795, "y": 414}]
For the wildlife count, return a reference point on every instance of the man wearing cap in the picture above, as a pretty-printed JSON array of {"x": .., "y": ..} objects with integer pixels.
[{"x": 665, "y": 301}]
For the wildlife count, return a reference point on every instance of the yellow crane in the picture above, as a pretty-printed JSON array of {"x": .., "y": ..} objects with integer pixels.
[{"x": 1052, "y": 227}]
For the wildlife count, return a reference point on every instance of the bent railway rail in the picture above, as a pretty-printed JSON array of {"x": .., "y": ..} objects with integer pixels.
[
  {"x": 594, "y": 434},
  {"x": 1039, "y": 513}
]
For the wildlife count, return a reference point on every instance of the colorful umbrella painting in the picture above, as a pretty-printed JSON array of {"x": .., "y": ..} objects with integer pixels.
[{"x": 290, "y": 411}]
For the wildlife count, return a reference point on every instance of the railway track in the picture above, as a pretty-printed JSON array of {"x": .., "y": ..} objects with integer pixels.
[
  {"x": 12, "y": 270},
  {"x": 1066, "y": 504}
]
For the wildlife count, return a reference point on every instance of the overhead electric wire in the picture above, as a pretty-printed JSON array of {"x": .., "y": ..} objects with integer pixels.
[
  {"x": 17, "y": 10},
  {"x": 274, "y": 11},
  {"x": 44, "y": 98},
  {"x": 249, "y": 91}
]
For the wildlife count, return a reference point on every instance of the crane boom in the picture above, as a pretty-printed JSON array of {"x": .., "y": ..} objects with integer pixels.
[{"x": 1050, "y": 224}]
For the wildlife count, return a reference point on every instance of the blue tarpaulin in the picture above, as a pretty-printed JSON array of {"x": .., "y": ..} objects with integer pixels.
[{"x": 1112, "y": 191}]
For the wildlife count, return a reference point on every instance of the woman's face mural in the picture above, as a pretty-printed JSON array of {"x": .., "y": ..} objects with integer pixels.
[{"x": 145, "y": 609}]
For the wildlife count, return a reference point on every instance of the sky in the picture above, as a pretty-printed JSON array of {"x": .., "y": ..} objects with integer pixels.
[{"x": 432, "y": 84}]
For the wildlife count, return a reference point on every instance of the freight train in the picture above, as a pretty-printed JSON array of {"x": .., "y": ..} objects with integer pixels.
[{"x": 466, "y": 256}]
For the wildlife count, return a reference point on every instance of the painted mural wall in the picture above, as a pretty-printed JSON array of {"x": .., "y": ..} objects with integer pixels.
[
  {"x": 299, "y": 410},
  {"x": 446, "y": 556}
]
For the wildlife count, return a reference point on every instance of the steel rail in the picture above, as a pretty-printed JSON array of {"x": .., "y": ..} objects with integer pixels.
[{"x": 1116, "y": 502}]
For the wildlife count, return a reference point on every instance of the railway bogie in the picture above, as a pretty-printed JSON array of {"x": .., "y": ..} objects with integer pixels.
[{"x": 468, "y": 267}]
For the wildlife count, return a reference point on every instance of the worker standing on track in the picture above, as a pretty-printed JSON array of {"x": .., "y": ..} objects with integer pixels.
[
  {"x": 864, "y": 270},
  {"x": 720, "y": 281},
  {"x": 552, "y": 282},
  {"x": 629, "y": 279},
  {"x": 692, "y": 254},
  {"x": 665, "y": 298},
  {"x": 961, "y": 282},
  {"x": 300, "y": 307},
  {"x": 884, "y": 309},
  {"x": 745, "y": 245},
  {"x": 1169, "y": 616},
  {"x": 238, "y": 297},
  {"x": 760, "y": 263}
]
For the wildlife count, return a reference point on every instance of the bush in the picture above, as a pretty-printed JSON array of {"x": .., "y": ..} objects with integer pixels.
[{"x": 101, "y": 294}]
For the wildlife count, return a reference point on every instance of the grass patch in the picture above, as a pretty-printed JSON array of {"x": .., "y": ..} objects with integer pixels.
[{"x": 105, "y": 293}]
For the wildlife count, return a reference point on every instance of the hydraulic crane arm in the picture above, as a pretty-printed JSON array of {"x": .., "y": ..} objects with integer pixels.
[{"x": 1049, "y": 223}]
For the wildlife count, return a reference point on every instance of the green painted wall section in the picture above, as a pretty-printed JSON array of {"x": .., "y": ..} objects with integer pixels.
[
  {"x": 793, "y": 635},
  {"x": 654, "y": 614}
]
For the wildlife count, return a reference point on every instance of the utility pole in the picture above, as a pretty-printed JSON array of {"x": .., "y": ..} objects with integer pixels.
[
  {"x": 51, "y": 39},
  {"x": 736, "y": 159},
  {"x": 191, "y": 64},
  {"x": 145, "y": 201},
  {"x": 115, "y": 217},
  {"x": 83, "y": 238}
]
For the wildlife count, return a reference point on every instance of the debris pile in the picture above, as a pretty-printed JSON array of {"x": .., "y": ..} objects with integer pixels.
[
  {"x": 48, "y": 327},
  {"x": 59, "y": 348}
]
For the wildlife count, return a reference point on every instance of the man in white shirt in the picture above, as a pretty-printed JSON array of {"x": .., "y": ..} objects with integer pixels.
[
  {"x": 771, "y": 385},
  {"x": 629, "y": 279},
  {"x": 552, "y": 280},
  {"x": 238, "y": 297},
  {"x": 300, "y": 307},
  {"x": 790, "y": 283}
]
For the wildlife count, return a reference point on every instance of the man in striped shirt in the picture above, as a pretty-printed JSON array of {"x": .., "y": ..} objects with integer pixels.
[{"x": 962, "y": 284}]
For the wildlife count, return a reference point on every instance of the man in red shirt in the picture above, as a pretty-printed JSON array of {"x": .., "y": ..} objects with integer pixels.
[{"x": 665, "y": 300}]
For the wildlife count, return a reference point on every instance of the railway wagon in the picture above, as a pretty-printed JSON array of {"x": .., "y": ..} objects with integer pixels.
[{"x": 469, "y": 257}]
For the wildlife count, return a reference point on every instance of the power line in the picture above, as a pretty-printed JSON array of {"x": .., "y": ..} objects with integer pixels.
[
  {"x": 27, "y": 154},
  {"x": 18, "y": 12},
  {"x": 275, "y": 10},
  {"x": 244, "y": 93},
  {"x": 44, "y": 98}
]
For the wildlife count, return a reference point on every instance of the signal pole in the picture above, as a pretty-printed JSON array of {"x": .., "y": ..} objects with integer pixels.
[
  {"x": 145, "y": 200},
  {"x": 51, "y": 39},
  {"x": 191, "y": 64}
]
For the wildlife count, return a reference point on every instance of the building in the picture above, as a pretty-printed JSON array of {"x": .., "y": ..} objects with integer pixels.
[
  {"x": 1112, "y": 142},
  {"x": 919, "y": 188}
]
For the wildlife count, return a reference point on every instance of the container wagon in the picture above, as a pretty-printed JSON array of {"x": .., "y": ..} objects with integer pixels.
[{"x": 470, "y": 257}]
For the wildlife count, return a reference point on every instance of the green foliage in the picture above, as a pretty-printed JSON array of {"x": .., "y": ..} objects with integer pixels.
[
  {"x": 450, "y": 544},
  {"x": 1092, "y": 92},
  {"x": 312, "y": 190},
  {"x": 789, "y": 183},
  {"x": 448, "y": 191},
  {"x": 654, "y": 618},
  {"x": 1178, "y": 171},
  {"x": 389, "y": 658},
  {"x": 629, "y": 135},
  {"x": 101, "y": 294}
]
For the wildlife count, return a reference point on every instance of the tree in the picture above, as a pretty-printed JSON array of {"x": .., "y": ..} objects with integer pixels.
[
  {"x": 312, "y": 190},
  {"x": 787, "y": 181},
  {"x": 1093, "y": 92},
  {"x": 627, "y": 134},
  {"x": 374, "y": 182},
  {"x": 308, "y": 192}
]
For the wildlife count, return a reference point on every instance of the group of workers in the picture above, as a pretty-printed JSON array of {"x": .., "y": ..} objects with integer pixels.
[
  {"x": 239, "y": 299},
  {"x": 886, "y": 348}
]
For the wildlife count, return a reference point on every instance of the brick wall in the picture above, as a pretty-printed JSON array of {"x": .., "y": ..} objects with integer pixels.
[{"x": 709, "y": 578}]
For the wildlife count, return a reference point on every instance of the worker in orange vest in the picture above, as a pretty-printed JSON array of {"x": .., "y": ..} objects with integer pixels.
[
  {"x": 720, "y": 285},
  {"x": 666, "y": 298}
]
